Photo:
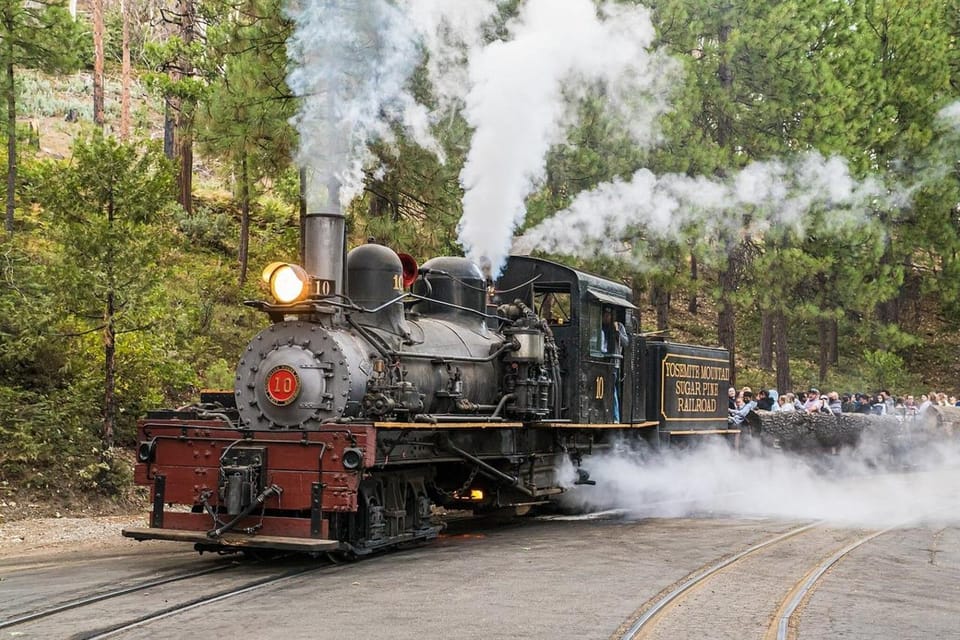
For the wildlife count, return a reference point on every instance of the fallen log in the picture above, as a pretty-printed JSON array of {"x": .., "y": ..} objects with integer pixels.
[
  {"x": 801, "y": 431},
  {"x": 945, "y": 420}
]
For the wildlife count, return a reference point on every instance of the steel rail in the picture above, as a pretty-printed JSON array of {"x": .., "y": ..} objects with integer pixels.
[
  {"x": 81, "y": 602},
  {"x": 200, "y": 601},
  {"x": 666, "y": 600},
  {"x": 783, "y": 623}
]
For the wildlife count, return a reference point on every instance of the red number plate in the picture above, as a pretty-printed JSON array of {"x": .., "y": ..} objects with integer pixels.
[{"x": 283, "y": 385}]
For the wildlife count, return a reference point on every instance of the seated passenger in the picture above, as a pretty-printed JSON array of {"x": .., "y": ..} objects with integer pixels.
[
  {"x": 764, "y": 401},
  {"x": 812, "y": 403},
  {"x": 737, "y": 416},
  {"x": 833, "y": 403},
  {"x": 788, "y": 402},
  {"x": 775, "y": 399}
]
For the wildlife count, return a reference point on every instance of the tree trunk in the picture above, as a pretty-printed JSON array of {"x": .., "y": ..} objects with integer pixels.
[
  {"x": 185, "y": 116},
  {"x": 725, "y": 76},
  {"x": 660, "y": 298},
  {"x": 726, "y": 325},
  {"x": 832, "y": 343},
  {"x": 244, "y": 216},
  {"x": 726, "y": 321},
  {"x": 823, "y": 337},
  {"x": 10, "y": 90},
  {"x": 98, "y": 63},
  {"x": 693, "y": 305},
  {"x": 186, "y": 165},
  {"x": 125, "y": 73},
  {"x": 781, "y": 331},
  {"x": 109, "y": 370},
  {"x": 766, "y": 340},
  {"x": 169, "y": 129},
  {"x": 109, "y": 347},
  {"x": 889, "y": 311}
]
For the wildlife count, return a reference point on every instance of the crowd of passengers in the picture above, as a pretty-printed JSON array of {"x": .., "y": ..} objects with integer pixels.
[{"x": 744, "y": 401}]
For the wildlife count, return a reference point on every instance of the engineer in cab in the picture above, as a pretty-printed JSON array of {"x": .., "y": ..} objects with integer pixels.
[{"x": 613, "y": 340}]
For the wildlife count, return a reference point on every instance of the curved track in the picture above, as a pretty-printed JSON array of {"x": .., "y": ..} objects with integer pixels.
[
  {"x": 663, "y": 603},
  {"x": 779, "y": 625},
  {"x": 805, "y": 586}
]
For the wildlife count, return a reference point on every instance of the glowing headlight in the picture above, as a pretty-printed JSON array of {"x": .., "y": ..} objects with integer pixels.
[{"x": 288, "y": 282}]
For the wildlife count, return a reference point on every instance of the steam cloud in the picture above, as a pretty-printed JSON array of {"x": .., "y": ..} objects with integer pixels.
[
  {"x": 351, "y": 60},
  {"x": 523, "y": 91},
  {"x": 715, "y": 480},
  {"x": 450, "y": 32},
  {"x": 775, "y": 193},
  {"x": 950, "y": 114}
]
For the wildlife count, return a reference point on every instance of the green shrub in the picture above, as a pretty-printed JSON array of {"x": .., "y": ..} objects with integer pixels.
[
  {"x": 883, "y": 369},
  {"x": 206, "y": 227}
]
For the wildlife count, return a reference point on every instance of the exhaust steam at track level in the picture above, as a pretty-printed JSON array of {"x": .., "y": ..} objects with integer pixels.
[{"x": 851, "y": 488}]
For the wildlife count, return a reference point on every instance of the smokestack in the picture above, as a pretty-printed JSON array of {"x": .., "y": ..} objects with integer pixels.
[{"x": 324, "y": 241}]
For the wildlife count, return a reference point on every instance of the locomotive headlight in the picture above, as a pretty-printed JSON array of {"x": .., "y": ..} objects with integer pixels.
[{"x": 288, "y": 282}]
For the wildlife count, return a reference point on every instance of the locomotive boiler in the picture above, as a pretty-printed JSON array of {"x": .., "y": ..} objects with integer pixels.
[{"x": 381, "y": 390}]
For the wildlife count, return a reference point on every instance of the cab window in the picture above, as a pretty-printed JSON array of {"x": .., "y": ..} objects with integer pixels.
[
  {"x": 594, "y": 320},
  {"x": 553, "y": 305}
]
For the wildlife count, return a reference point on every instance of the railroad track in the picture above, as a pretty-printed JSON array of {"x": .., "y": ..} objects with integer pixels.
[
  {"x": 51, "y": 621},
  {"x": 107, "y": 595},
  {"x": 782, "y": 624},
  {"x": 200, "y": 601},
  {"x": 788, "y": 609}
]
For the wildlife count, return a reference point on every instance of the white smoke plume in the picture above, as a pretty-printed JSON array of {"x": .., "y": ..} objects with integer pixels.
[
  {"x": 350, "y": 65},
  {"x": 775, "y": 193},
  {"x": 352, "y": 61},
  {"x": 524, "y": 90},
  {"x": 450, "y": 33},
  {"x": 715, "y": 480}
]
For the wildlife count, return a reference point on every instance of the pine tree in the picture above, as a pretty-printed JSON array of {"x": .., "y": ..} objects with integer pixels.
[
  {"x": 38, "y": 34},
  {"x": 244, "y": 118},
  {"x": 102, "y": 203}
]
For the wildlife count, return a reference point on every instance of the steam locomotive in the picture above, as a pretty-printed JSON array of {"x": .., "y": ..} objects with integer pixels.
[{"x": 382, "y": 390}]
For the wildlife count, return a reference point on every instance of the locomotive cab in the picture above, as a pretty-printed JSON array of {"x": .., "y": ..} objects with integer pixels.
[
  {"x": 572, "y": 303},
  {"x": 671, "y": 388}
]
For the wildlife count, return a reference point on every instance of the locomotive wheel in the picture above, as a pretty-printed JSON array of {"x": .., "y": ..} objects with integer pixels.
[
  {"x": 370, "y": 516},
  {"x": 418, "y": 508}
]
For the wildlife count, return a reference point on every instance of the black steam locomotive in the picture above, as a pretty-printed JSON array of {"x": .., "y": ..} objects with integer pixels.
[{"x": 382, "y": 390}]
